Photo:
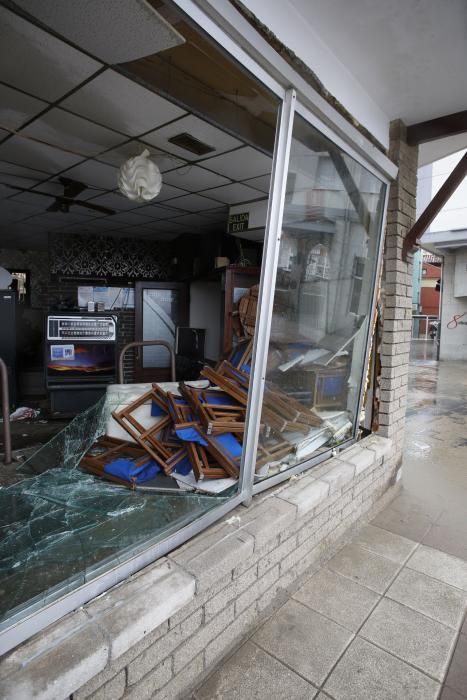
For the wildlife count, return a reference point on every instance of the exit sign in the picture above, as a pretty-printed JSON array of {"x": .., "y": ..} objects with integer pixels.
[{"x": 238, "y": 222}]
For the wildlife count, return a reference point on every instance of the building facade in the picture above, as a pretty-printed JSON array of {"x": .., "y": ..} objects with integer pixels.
[{"x": 140, "y": 598}]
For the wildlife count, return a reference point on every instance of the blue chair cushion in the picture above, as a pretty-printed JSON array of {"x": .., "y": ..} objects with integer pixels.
[{"x": 125, "y": 469}]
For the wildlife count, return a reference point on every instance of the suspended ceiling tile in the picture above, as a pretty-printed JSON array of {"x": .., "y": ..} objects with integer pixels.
[
  {"x": 158, "y": 211},
  {"x": 117, "y": 156},
  {"x": 199, "y": 129},
  {"x": 32, "y": 154},
  {"x": 35, "y": 223},
  {"x": 167, "y": 226},
  {"x": 37, "y": 62},
  {"x": 169, "y": 192},
  {"x": 93, "y": 173},
  {"x": 21, "y": 171},
  {"x": 128, "y": 217},
  {"x": 234, "y": 194},
  {"x": 56, "y": 188},
  {"x": 14, "y": 182},
  {"x": 39, "y": 201},
  {"x": 47, "y": 224},
  {"x": 16, "y": 108},
  {"x": 115, "y": 32},
  {"x": 193, "y": 202},
  {"x": 244, "y": 163},
  {"x": 114, "y": 200},
  {"x": 195, "y": 220},
  {"x": 64, "y": 130},
  {"x": 216, "y": 215},
  {"x": 121, "y": 104},
  {"x": 261, "y": 183},
  {"x": 51, "y": 217},
  {"x": 165, "y": 161},
  {"x": 12, "y": 210},
  {"x": 193, "y": 178}
]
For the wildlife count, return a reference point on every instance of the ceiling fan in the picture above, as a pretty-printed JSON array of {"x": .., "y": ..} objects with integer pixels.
[{"x": 62, "y": 203}]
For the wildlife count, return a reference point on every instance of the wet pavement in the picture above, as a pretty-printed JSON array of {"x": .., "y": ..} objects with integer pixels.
[{"x": 404, "y": 637}]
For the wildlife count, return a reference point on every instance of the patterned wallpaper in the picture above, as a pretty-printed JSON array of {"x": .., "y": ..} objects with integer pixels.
[{"x": 102, "y": 256}]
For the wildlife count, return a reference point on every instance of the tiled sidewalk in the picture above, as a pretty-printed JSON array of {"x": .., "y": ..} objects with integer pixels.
[
  {"x": 379, "y": 621},
  {"x": 383, "y": 620}
]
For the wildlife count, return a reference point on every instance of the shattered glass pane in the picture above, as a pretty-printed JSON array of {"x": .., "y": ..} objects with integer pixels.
[{"x": 60, "y": 527}]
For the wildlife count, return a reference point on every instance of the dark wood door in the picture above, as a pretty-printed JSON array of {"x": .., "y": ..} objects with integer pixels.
[
  {"x": 160, "y": 307},
  {"x": 238, "y": 281}
]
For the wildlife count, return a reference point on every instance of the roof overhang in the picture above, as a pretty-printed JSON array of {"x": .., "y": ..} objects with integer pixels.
[{"x": 447, "y": 241}]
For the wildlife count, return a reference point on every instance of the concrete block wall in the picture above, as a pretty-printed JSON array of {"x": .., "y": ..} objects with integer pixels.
[
  {"x": 159, "y": 633},
  {"x": 397, "y": 289}
]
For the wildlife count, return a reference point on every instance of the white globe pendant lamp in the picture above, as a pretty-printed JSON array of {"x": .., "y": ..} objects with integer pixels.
[{"x": 140, "y": 179}]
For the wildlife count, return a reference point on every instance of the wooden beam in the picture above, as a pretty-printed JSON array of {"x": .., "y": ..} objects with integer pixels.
[
  {"x": 449, "y": 125},
  {"x": 352, "y": 190},
  {"x": 316, "y": 142},
  {"x": 435, "y": 206}
]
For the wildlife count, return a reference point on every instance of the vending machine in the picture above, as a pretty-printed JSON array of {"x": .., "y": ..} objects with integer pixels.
[{"x": 80, "y": 360}]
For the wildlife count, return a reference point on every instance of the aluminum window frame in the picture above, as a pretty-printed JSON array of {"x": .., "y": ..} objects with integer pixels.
[{"x": 268, "y": 482}]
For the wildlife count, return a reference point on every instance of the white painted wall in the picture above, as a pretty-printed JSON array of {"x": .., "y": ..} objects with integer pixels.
[
  {"x": 454, "y": 213},
  {"x": 453, "y": 340},
  {"x": 205, "y": 312}
]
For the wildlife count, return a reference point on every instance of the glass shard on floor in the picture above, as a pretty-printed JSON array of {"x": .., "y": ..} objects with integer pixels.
[{"x": 61, "y": 527}]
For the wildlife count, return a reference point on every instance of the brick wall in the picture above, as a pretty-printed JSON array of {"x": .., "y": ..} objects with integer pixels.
[
  {"x": 158, "y": 633},
  {"x": 397, "y": 286},
  {"x": 37, "y": 262}
]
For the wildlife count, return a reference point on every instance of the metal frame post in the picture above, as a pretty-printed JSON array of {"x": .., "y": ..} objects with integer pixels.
[
  {"x": 273, "y": 234},
  {"x": 7, "y": 458},
  {"x": 145, "y": 343}
]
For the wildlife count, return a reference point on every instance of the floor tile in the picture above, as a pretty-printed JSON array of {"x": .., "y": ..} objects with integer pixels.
[
  {"x": 252, "y": 673},
  {"x": 405, "y": 519},
  {"x": 429, "y": 596},
  {"x": 385, "y": 543},
  {"x": 417, "y": 639},
  {"x": 447, "y": 539},
  {"x": 444, "y": 567},
  {"x": 342, "y": 600},
  {"x": 368, "y": 673},
  {"x": 448, "y": 694},
  {"x": 457, "y": 674},
  {"x": 364, "y": 567},
  {"x": 464, "y": 626},
  {"x": 304, "y": 640}
]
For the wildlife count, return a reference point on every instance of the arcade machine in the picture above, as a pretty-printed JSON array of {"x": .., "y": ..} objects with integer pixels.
[{"x": 81, "y": 360}]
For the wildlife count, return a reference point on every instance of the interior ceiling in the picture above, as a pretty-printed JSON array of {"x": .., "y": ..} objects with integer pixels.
[{"x": 66, "y": 113}]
